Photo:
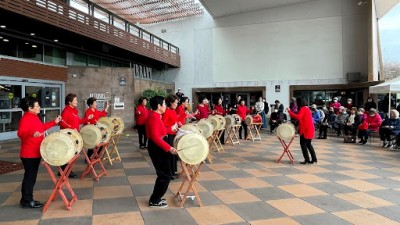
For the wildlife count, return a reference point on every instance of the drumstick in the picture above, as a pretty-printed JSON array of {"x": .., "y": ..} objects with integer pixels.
[
  {"x": 186, "y": 148},
  {"x": 65, "y": 123}
]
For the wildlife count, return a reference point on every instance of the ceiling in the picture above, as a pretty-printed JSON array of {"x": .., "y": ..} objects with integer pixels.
[
  {"x": 219, "y": 8},
  {"x": 151, "y": 11}
]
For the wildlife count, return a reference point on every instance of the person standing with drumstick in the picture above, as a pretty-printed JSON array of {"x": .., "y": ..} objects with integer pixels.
[
  {"x": 71, "y": 120},
  {"x": 242, "y": 111},
  {"x": 31, "y": 132},
  {"x": 141, "y": 114},
  {"x": 170, "y": 120},
  {"x": 306, "y": 130},
  {"x": 220, "y": 110},
  {"x": 96, "y": 115},
  {"x": 159, "y": 151}
]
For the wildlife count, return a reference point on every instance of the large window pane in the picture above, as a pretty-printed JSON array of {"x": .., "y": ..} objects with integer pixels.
[
  {"x": 76, "y": 59},
  {"x": 79, "y": 5},
  {"x": 101, "y": 15},
  {"x": 54, "y": 55},
  {"x": 8, "y": 46},
  {"x": 106, "y": 63},
  {"x": 10, "y": 97},
  {"x": 93, "y": 61},
  {"x": 119, "y": 23},
  {"x": 30, "y": 50}
]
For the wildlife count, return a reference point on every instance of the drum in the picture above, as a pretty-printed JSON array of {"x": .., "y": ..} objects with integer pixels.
[
  {"x": 189, "y": 128},
  {"x": 93, "y": 135},
  {"x": 192, "y": 148},
  {"x": 76, "y": 137},
  {"x": 222, "y": 120},
  {"x": 257, "y": 119},
  {"x": 229, "y": 121},
  {"x": 206, "y": 128},
  {"x": 119, "y": 124},
  {"x": 215, "y": 122},
  {"x": 248, "y": 120},
  {"x": 59, "y": 148},
  {"x": 286, "y": 131},
  {"x": 107, "y": 121},
  {"x": 238, "y": 119}
]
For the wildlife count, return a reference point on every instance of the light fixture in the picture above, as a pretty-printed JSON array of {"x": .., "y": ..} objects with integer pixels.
[
  {"x": 34, "y": 46},
  {"x": 3, "y": 26},
  {"x": 55, "y": 40},
  {"x": 1, "y": 37},
  {"x": 5, "y": 40},
  {"x": 362, "y": 2},
  {"x": 26, "y": 43},
  {"x": 32, "y": 34}
]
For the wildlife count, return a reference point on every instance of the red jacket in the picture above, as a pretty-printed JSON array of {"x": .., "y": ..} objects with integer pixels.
[
  {"x": 219, "y": 110},
  {"x": 203, "y": 112},
  {"x": 374, "y": 122},
  {"x": 306, "y": 125},
  {"x": 142, "y": 117},
  {"x": 70, "y": 118},
  {"x": 169, "y": 118},
  {"x": 28, "y": 125},
  {"x": 156, "y": 131},
  {"x": 181, "y": 113},
  {"x": 96, "y": 115},
  {"x": 242, "y": 111}
]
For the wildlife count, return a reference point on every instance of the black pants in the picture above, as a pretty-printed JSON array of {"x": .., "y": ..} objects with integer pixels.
[
  {"x": 306, "y": 147},
  {"x": 385, "y": 134},
  {"x": 142, "y": 135},
  {"x": 273, "y": 125},
  {"x": 222, "y": 138},
  {"x": 161, "y": 162},
  {"x": 323, "y": 129},
  {"x": 351, "y": 129},
  {"x": 31, "y": 167},
  {"x": 174, "y": 158},
  {"x": 243, "y": 127}
]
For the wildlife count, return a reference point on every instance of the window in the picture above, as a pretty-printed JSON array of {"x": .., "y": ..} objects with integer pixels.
[
  {"x": 76, "y": 59},
  {"x": 30, "y": 50},
  {"x": 8, "y": 46},
  {"x": 101, "y": 15},
  {"x": 79, "y": 5},
  {"x": 119, "y": 23},
  {"x": 134, "y": 30},
  {"x": 54, "y": 55},
  {"x": 106, "y": 63},
  {"x": 93, "y": 61}
]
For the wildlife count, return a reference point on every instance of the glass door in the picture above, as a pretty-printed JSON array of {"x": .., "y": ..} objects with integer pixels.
[{"x": 10, "y": 113}]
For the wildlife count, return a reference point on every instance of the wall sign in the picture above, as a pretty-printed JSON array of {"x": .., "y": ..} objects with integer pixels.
[
  {"x": 122, "y": 81},
  {"x": 118, "y": 105},
  {"x": 277, "y": 88}
]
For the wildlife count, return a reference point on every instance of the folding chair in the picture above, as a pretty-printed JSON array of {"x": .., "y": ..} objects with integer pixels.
[
  {"x": 60, "y": 183},
  {"x": 98, "y": 152}
]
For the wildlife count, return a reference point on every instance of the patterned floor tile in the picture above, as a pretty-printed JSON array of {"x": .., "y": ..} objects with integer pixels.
[
  {"x": 295, "y": 207},
  {"x": 219, "y": 214},
  {"x": 364, "y": 216}
]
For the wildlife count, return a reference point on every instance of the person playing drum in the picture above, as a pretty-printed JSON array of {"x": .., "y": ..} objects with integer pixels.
[
  {"x": 71, "y": 120},
  {"x": 220, "y": 110},
  {"x": 202, "y": 109},
  {"x": 141, "y": 114},
  {"x": 96, "y": 114},
  {"x": 31, "y": 132},
  {"x": 242, "y": 111},
  {"x": 170, "y": 120},
  {"x": 159, "y": 151}
]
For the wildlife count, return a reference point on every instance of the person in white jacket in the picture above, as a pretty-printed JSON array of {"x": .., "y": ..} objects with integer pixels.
[{"x": 260, "y": 110}]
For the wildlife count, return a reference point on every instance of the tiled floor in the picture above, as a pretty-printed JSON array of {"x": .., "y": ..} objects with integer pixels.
[{"x": 351, "y": 184}]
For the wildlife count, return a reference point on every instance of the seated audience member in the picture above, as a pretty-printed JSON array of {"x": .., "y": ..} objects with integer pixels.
[
  {"x": 274, "y": 120},
  {"x": 371, "y": 123},
  {"x": 390, "y": 126},
  {"x": 329, "y": 119},
  {"x": 341, "y": 120},
  {"x": 315, "y": 115},
  {"x": 352, "y": 122}
]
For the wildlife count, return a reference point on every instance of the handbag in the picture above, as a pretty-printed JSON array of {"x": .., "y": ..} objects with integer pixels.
[
  {"x": 363, "y": 126},
  {"x": 349, "y": 139}
]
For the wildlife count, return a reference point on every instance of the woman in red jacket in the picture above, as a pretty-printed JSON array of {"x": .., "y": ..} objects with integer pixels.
[
  {"x": 374, "y": 121},
  {"x": 220, "y": 110},
  {"x": 202, "y": 110},
  {"x": 181, "y": 111},
  {"x": 71, "y": 120},
  {"x": 306, "y": 130},
  {"x": 141, "y": 114},
  {"x": 96, "y": 114},
  {"x": 31, "y": 132},
  {"x": 159, "y": 151},
  {"x": 242, "y": 111},
  {"x": 170, "y": 120}
]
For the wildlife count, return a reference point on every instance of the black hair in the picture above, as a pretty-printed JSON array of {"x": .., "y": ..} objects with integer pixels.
[
  {"x": 201, "y": 98},
  {"x": 141, "y": 99},
  {"x": 183, "y": 99},
  {"x": 155, "y": 101},
  {"x": 28, "y": 102},
  {"x": 90, "y": 101},
  {"x": 216, "y": 100},
  {"x": 69, "y": 98},
  {"x": 301, "y": 102},
  {"x": 170, "y": 99}
]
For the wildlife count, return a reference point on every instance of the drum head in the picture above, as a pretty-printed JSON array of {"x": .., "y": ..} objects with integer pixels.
[
  {"x": 230, "y": 120},
  {"x": 248, "y": 120},
  {"x": 107, "y": 121},
  {"x": 206, "y": 128},
  {"x": 91, "y": 136},
  {"x": 192, "y": 148},
  {"x": 189, "y": 128},
  {"x": 222, "y": 120},
  {"x": 286, "y": 131},
  {"x": 119, "y": 124},
  {"x": 57, "y": 149},
  {"x": 238, "y": 119},
  {"x": 76, "y": 137},
  {"x": 215, "y": 122}
]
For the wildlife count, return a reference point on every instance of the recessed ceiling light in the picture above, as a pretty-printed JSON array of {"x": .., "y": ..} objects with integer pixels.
[
  {"x": 3, "y": 26},
  {"x": 33, "y": 34},
  {"x": 26, "y": 43},
  {"x": 55, "y": 40},
  {"x": 34, "y": 46},
  {"x": 1, "y": 37},
  {"x": 5, "y": 40}
]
